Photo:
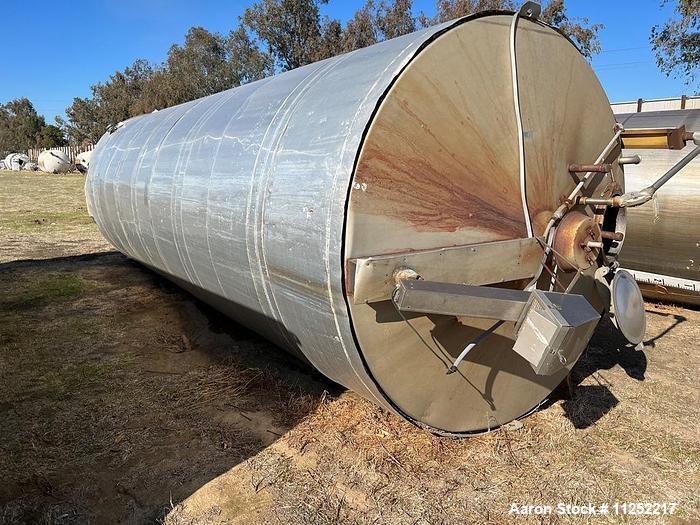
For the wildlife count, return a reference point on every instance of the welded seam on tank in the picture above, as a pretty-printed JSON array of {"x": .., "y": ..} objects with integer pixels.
[
  {"x": 312, "y": 80},
  {"x": 170, "y": 113},
  {"x": 135, "y": 131},
  {"x": 193, "y": 136},
  {"x": 136, "y": 208},
  {"x": 100, "y": 193},
  {"x": 181, "y": 173},
  {"x": 257, "y": 230},
  {"x": 241, "y": 107},
  {"x": 174, "y": 187},
  {"x": 162, "y": 129},
  {"x": 149, "y": 181},
  {"x": 253, "y": 256},
  {"x": 97, "y": 190},
  {"x": 408, "y": 55}
]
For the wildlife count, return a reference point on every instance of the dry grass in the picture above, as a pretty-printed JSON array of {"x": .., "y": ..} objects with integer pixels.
[
  {"x": 44, "y": 215},
  {"x": 123, "y": 400},
  {"x": 96, "y": 402}
]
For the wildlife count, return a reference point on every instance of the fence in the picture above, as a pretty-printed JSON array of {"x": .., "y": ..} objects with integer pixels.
[
  {"x": 657, "y": 104},
  {"x": 71, "y": 151}
]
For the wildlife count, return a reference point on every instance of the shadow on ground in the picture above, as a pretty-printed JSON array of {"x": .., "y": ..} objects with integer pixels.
[
  {"x": 120, "y": 394},
  {"x": 584, "y": 405}
]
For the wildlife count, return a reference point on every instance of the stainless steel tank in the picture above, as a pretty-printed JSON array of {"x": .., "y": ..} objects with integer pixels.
[
  {"x": 662, "y": 246},
  {"x": 262, "y": 199},
  {"x": 53, "y": 161}
]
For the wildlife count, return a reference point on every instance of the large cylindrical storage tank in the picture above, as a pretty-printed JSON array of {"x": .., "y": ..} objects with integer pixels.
[
  {"x": 16, "y": 161},
  {"x": 663, "y": 240},
  {"x": 53, "y": 161},
  {"x": 259, "y": 199}
]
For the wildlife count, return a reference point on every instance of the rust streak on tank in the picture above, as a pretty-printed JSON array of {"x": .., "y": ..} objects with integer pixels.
[{"x": 430, "y": 201}]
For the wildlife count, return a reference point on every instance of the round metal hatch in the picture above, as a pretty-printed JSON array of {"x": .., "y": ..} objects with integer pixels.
[{"x": 627, "y": 307}]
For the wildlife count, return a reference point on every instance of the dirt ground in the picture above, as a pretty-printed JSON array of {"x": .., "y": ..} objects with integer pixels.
[{"x": 125, "y": 400}]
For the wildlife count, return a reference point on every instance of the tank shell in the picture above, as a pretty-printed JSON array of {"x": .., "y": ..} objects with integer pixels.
[
  {"x": 82, "y": 161},
  {"x": 16, "y": 161},
  {"x": 256, "y": 199},
  {"x": 663, "y": 236},
  {"x": 54, "y": 161}
]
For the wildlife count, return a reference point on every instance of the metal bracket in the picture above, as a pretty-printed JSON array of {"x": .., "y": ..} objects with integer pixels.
[
  {"x": 655, "y": 138},
  {"x": 371, "y": 279},
  {"x": 460, "y": 300},
  {"x": 552, "y": 329},
  {"x": 530, "y": 10}
]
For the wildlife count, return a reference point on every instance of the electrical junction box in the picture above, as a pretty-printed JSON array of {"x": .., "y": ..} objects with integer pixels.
[{"x": 554, "y": 329}]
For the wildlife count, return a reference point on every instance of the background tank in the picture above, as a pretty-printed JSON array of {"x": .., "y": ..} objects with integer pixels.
[
  {"x": 54, "y": 161},
  {"x": 82, "y": 161},
  {"x": 16, "y": 161},
  {"x": 662, "y": 245},
  {"x": 260, "y": 199}
]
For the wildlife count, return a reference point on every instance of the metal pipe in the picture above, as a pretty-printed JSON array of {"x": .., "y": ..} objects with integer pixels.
[
  {"x": 630, "y": 159},
  {"x": 528, "y": 9},
  {"x": 675, "y": 169},
  {"x": 594, "y": 168},
  {"x": 603, "y": 155},
  {"x": 637, "y": 198},
  {"x": 613, "y": 236}
]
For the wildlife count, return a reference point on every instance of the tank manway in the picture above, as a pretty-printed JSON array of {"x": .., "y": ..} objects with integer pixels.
[{"x": 302, "y": 204}]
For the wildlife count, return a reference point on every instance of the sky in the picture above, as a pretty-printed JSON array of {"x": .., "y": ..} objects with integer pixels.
[{"x": 51, "y": 59}]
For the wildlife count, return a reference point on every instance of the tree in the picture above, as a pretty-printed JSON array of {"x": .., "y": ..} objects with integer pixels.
[
  {"x": 20, "y": 125},
  {"x": 52, "y": 136},
  {"x": 361, "y": 29},
  {"x": 81, "y": 121},
  {"x": 677, "y": 42},
  {"x": 248, "y": 63},
  {"x": 197, "y": 69},
  {"x": 119, "y": 98},
  {"x": 5, "y": 135},
  {"x": 395, "y": 19},
  {"x": 579, "y": 30},
  {"x": 331, "y": 43},
  {"x": 291, "y": 29}
]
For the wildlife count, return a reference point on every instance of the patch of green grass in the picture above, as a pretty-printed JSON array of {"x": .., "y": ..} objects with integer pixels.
[
  {"x": 51, "y": 288},
  {"x": 29, "y": 221}
]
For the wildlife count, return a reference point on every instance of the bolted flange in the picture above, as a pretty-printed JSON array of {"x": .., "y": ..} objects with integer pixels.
[{"x": 577, "y": 241}]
